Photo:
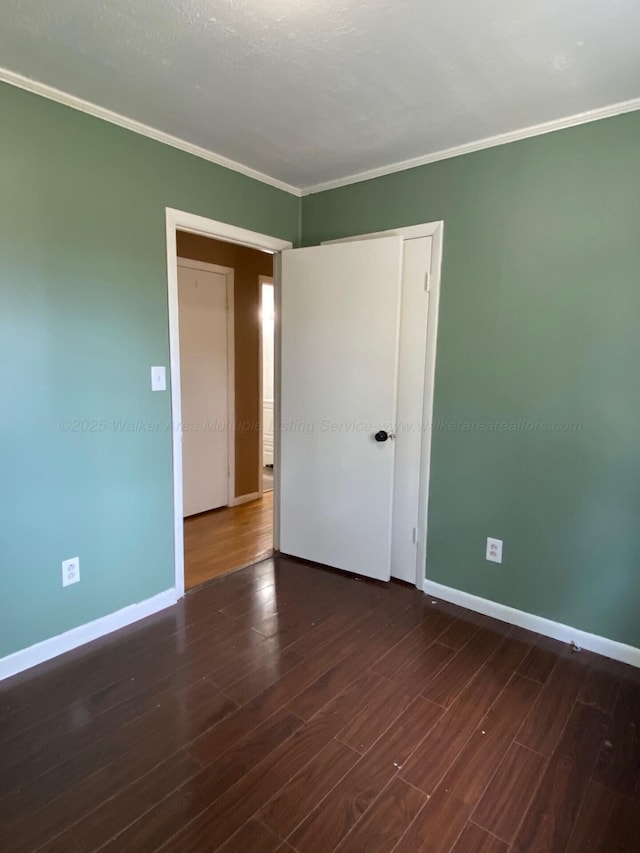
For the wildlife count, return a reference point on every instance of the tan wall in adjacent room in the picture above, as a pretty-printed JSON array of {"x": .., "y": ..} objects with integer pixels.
[{"x": 248, "y": 265}]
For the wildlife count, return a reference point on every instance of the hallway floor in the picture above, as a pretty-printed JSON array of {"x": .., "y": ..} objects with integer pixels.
[
  {"x": 290, "y": 708},
  {"x": 226, "y": 539}
]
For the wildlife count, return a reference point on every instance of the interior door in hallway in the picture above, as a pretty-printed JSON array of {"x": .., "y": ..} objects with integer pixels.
[
  {"x": 202, "y": 301},
  {"x": 340, "y": 307}
]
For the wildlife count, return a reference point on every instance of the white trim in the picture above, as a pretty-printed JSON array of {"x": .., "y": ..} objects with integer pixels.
[
  {"x": 245, "y": 499},
  {"x": 277, "y": 366},
  {"x": 479, "y": 145},
  {"x": 229, "y": 273},
  {"x": 51, "y": 648},
  {"x": 194, "y": 224},
  {"x": 179, "y": 220},
  {"x": 591, "y": 642},
  {"x": 53, "y": 94},
  {"x": 429, "y": 392},
  {"x": 413, "y": 232},
  {"x": 260, "y": 393}
]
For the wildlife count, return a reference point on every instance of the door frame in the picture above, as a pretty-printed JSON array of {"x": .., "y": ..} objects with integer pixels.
[
  {"x": 229, "y": 274},
  {"x": 180, "y": 220},
  {"x": 435, "y": 230}
]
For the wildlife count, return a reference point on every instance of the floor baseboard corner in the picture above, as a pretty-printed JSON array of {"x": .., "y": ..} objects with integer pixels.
[
  {"x": 592, "y": 642},
  {"x": 47, "y": 649}
]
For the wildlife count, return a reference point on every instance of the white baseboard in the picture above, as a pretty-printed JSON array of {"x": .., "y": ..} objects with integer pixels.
[
  {"x": 245, "y": 499},
  {"x": 47, "y": 649},
  {"x": 591, "y": 642}
]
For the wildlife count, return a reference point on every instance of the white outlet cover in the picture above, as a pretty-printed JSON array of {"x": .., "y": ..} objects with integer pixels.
[
  {"x": 494, "y": 550},
  {"x": 70, "y": 571}
]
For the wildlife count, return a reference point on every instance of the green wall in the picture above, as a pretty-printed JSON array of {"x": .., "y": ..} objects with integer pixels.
[
  {"x": 83, "y": 316},
  {"x": 539, "y": 321}
]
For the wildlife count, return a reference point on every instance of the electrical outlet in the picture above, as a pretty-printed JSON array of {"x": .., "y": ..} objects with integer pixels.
[
  {"x": 70, "y": 571},
  {"x": 494, "y": 550}
]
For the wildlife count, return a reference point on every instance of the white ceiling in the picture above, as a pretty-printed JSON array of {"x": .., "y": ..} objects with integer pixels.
[{"x": 310, "y": 91}]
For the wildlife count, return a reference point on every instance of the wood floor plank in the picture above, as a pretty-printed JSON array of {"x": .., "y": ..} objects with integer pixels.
[
  {"x": 445, "y": 815},
  {"x": 358, "y": 656},
  {"x": 541, "y": 660},
  {"x": 335, "y": 625},
  {"x": 477, "y": 840},
  {"x": 284, "y": 812},
  {"x": 364, "y": 729},
  {"x": 169, "y": 815},
  {"x": 551, "y": 816},
  {"x": 618, "y": 764},
  {"x": 422, "y": 636},
  {"x": 451, "y": 681},
  {"x": 215, "y": 824},
  {"x": 601, "y": 688},
  {"x": 263, "y": 676},
  {"x": 221, "y": 737},
  {"x": 510, "y": 792},
  {"x": 416, "y": 674},
  {"x": 459, "y": 633},
  {"x": 253, "y": 837},
  {"x": 223, "y": 818},
  {"x": 336, "y": 815},
  {"x": 100, "y": 685},
  {"x": 386, "y": 821},
  {"x": 330, "y": 684},
  {"x": 543, "y": 728},
  {"x": 33, "y": 752},
  {"x": 85, "y": 823},
  {"x": 129, "y": 752},
  {"x": 607, "y": 823},
  {"x": 437, "y": 753}
]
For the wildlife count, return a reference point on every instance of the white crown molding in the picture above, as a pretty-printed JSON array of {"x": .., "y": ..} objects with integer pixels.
[
  {"x": 479, "y": 145},
  {"x": 592, "y": 642},
  {"x": 21, "y": 82},
  {"x": 54, "y": 646}
]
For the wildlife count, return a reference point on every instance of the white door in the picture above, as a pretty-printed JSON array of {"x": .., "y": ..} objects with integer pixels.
[
  {"x": 340, "y": 307},
  {"x": 202, "y": 306}
]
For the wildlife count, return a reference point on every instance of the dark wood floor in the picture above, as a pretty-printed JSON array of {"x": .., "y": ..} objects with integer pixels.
[{"x": 287, "y": 708}]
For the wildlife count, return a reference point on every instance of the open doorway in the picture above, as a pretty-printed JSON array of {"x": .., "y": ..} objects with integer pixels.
[
  {"x": 309, "y": 409},
  {"x": 226, "y": 326}
]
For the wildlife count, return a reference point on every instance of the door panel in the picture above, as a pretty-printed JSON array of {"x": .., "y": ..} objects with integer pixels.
[
  {"x": 340, "y": 309},
  {"x": 202, "y": 300}
]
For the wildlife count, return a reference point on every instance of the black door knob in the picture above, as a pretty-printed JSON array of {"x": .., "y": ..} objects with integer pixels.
[{"x": 381, "y": 435}]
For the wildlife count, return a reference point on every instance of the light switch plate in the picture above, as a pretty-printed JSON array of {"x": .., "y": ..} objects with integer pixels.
[{"x": 158, "y": 379}]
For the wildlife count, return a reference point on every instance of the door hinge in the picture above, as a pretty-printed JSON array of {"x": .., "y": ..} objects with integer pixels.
[
  {"x": 415, "y": 535},
  {"x": 427, "y": 282}
]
